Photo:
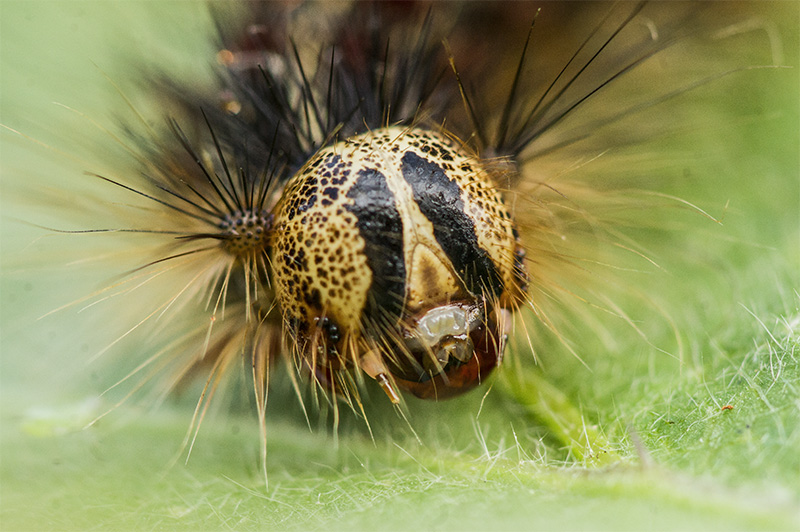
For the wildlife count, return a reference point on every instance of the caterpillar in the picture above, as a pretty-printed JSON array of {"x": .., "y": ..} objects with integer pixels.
[{"x": 370, "y": 193}]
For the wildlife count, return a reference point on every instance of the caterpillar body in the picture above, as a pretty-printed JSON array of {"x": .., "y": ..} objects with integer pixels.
[{"x": 342, "y": 199}]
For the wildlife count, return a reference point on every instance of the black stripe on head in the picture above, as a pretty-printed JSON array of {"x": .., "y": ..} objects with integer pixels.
[
  {"x": 439, "y": 200},
  {"x": 379, "y": 223}
]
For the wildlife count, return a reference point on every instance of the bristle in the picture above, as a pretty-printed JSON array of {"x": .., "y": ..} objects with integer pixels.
[{"x": 201, "y": 206}]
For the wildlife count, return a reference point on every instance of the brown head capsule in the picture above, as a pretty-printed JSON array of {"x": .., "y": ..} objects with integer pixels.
[{"x": 395, "y": 253}]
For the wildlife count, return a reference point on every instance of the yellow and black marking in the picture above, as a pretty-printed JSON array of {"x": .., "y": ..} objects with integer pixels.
[{"x": 378, "y": 231}]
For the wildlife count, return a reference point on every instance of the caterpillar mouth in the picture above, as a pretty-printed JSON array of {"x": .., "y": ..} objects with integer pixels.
[{"x": 449, "y": 350}]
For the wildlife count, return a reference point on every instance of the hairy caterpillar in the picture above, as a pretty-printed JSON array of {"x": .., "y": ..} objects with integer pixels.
[{"x": 233, "y": 144}]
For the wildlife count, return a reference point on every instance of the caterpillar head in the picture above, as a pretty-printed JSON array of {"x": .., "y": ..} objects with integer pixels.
[{"x": 394, "y": 253}]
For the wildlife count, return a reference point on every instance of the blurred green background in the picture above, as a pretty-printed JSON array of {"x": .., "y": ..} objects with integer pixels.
[{"x": 663, "y": 453}]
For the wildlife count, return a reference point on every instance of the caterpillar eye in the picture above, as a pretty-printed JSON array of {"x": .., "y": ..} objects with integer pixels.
[{"x": 449, "y": 350}]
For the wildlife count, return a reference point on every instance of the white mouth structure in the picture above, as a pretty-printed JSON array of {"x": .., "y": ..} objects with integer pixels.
[{"x": 442, "y": 334}]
